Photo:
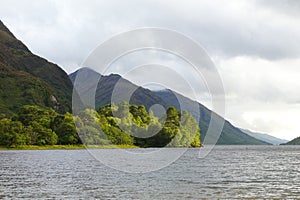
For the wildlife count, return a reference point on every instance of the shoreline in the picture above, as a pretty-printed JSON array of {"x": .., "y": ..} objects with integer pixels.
[
  {"x": 74, "y": 147},
  {"x": 67, "y": 147}
]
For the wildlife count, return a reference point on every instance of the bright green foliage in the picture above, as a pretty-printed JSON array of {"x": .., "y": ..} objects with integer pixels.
[
  {"x": 116, "y": 129},
  {"x": 140, "y": 115},
  {"x": 121, "y": 124},
  {"x": 177, "y": 131},
  {"x": 188, "y": 133},
  {"x": 38, "y": 121},
  {"x": 44, "y": 135},
  {"x": 64, "y": 127},
  {"x": 117, "y": 136},
  {"x": 29, "y": 114},
  {"x": 12, "y": 133},
  {"x": 31, "y": 126},
  {"x": 89, "y": 129},
  {"x": 129, "y": 121}
]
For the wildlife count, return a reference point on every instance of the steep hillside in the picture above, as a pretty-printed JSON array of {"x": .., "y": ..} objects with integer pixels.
[
  {"x": 29, "y": 79},
  {"x": 19, "y": 88}
]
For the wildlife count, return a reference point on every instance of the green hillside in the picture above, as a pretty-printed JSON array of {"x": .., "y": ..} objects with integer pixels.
[
  {"x": 295, "y": 141},
  {"x": 27, "y": 79},
  {"x": 19, "y": 88}
]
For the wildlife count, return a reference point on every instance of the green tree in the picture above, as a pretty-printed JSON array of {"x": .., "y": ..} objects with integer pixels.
[
  {"x": 28, "y": 114},
  {"x": 12, "y": 133},
  {"x": 190, "y": 130},
  {"x": 64, "y": 127},
  {"x": 90, "y": 130},
  {"x": 45, "y": 136}
]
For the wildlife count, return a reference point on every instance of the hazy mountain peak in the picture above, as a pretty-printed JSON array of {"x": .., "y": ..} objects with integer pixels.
[{"x": 265, "y": 137}]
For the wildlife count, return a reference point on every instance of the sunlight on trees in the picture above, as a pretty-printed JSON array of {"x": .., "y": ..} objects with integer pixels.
[{"x": 112, "y": 124}]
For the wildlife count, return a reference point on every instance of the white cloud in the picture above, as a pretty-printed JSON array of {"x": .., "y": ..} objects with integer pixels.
[
  {"x": 279, "y": 120},
  {"x": 263, "y": 95}
]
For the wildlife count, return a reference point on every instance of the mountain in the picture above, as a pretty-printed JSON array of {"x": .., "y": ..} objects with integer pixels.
[
  {"x": 166, "y": 98},
  {"x": 295, "y": 141},
  {"x": 265, "y": 137},
  {"x": 27, "y": 79},
  {"x": 106, "y": 85}
]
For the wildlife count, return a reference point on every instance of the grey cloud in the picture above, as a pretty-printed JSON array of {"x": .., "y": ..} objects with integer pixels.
[
  {"x": 287, "y": 7},
  {"x": 66, "y": 31}
]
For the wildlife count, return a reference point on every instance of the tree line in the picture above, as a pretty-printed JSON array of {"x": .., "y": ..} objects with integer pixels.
[{"x": 112, "y": 124}]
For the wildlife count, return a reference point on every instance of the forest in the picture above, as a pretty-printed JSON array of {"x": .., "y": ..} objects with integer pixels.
[{"x": 121, "y": 124}]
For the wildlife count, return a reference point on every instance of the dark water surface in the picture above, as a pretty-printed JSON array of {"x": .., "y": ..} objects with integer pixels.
[{"x": 227, "y": 172}]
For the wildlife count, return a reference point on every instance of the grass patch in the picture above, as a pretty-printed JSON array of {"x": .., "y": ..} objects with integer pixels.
[{"x": 66, "y": 147}]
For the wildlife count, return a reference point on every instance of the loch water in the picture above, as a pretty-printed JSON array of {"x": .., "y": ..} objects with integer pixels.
[{"x": 228, "y": 172}]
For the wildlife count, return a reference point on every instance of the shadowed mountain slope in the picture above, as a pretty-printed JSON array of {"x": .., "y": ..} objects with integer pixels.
[{"x": 29, "y": 79}]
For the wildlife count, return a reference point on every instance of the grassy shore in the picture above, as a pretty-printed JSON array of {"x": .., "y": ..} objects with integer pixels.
[{"x": 66, "y": 147}]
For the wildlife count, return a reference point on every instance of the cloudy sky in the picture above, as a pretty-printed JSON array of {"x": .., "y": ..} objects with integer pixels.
[{"x": 254, "y": 45}]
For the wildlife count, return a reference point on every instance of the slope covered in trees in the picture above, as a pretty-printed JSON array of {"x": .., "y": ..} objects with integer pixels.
[
  {"x": 111, "y": 124},
  {"x": 27, "y": 79}
]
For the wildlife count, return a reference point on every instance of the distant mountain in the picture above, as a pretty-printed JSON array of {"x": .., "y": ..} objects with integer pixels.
[
  {"x": 295, "y": 141},
  {"x": 166, "y": 98},
  {"x": 265, "y": 137},
  {"x": 26, "y": 78}
]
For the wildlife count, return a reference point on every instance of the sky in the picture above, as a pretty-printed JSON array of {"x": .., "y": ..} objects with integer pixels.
[{"x": 254, "y": 45}]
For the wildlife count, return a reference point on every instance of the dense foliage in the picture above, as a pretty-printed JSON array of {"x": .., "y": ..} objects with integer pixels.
[
  {"x": 33, "y": 125},
  {"x": 146, "y": 130},
  {"x": 111, "y": 124}
]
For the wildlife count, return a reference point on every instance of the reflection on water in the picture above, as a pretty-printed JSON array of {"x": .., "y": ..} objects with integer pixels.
[{"x": 227, "y": 172}]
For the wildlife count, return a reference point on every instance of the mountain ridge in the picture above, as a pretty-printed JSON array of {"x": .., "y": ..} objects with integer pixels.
[{"x": 107, "y": 83}]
